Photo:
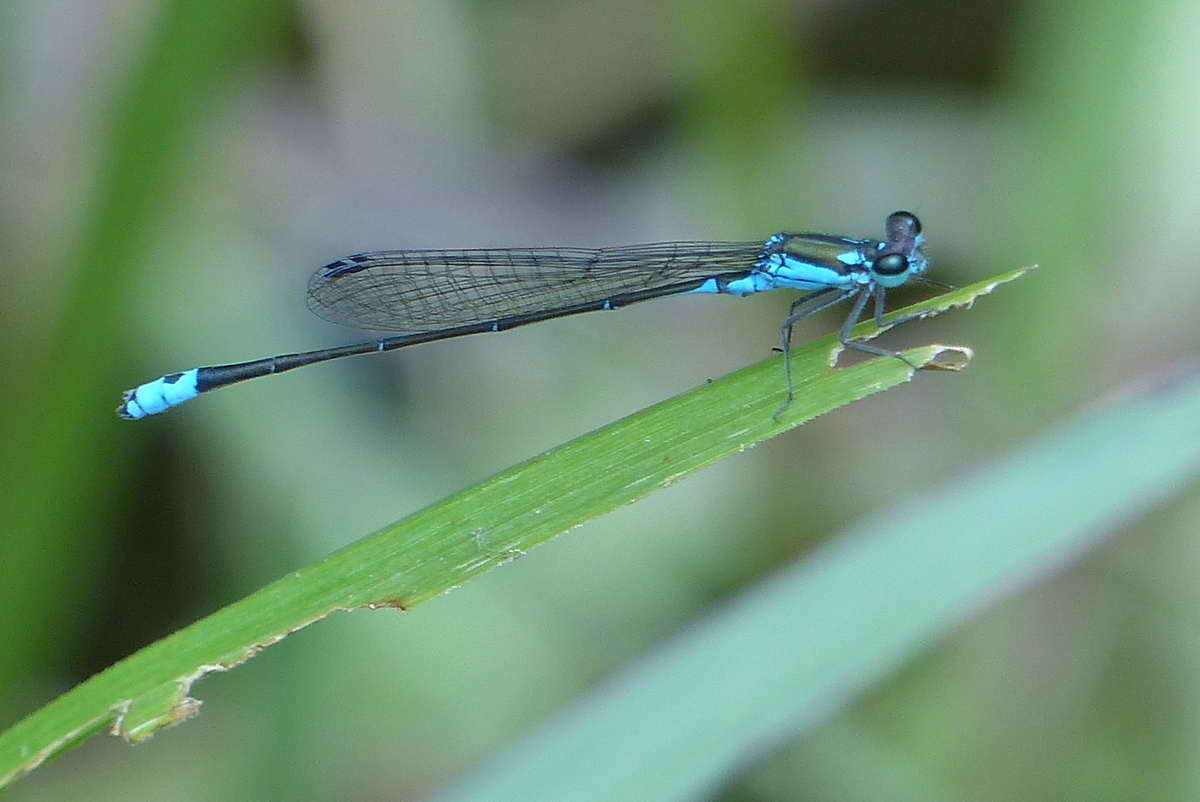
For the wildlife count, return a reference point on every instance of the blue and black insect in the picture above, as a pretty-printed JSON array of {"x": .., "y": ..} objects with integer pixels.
[{"x": 427, "y": 295}]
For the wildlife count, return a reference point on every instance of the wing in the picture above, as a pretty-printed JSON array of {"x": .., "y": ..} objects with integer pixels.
[{"x": 414, "y": 291}]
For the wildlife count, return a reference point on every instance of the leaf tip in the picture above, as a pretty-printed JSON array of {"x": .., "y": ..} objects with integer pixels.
[{"x": 947, "y": 357}]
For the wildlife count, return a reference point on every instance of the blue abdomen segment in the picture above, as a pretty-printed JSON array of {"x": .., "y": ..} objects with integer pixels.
[{"x": 159, "y": 395}]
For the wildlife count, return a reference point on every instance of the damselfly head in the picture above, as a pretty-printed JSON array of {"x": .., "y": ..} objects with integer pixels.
[
  {"x": 902, "y": 226},
  {"x": 900, "y": 256}
]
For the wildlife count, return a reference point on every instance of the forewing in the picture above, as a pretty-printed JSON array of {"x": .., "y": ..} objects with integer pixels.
[{"x": 425, "y": 290}]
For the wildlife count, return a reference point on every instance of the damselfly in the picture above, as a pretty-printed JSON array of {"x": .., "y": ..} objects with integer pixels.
[{"x": 431, "y": 295}]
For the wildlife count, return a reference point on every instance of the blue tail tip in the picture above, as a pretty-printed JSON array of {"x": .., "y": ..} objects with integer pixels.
[{"x": 158, "y": 395}]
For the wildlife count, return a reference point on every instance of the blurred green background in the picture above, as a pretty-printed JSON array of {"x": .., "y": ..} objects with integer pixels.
[{"x": 175, "y": 170}]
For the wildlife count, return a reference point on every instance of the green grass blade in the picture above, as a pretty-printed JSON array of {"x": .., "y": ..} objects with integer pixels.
[
  {"x": 471, "y": 531},
  {"x": 784, "y": 656}
]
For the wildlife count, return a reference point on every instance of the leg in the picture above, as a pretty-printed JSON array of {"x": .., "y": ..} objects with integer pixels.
[
  {"x": 891, "y": 324},
  {"x": 879, "y": 322},
  {"x": 793, "y": 317},
  {"x": 855, "y": 313},
  {"x": 880, "y": 292},
  {"x": 898, "y": 321},
  {"x": 785, "y": 331},
  {"x": 939, "y": 284},
  {"x": 785, "y": 328},
  {"x": 803, "y": 299}
]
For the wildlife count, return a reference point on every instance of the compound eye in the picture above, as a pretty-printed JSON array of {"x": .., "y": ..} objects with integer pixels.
[
  {"x": 892, "y": 264},
  {"x": 902, "y": 225}
]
